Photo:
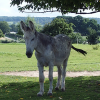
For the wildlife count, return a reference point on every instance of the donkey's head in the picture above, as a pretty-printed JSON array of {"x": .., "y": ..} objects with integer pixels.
[{"x": 30, "y": 37}]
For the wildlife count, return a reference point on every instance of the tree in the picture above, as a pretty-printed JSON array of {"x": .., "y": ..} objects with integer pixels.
[
  {"x": 63, "y": 6},
  {"x": 1, "y": 33},
  {"x": 13, "y": 28},
  {"x": 76, "y": 37},
  {"x": 81, "y": 24},
  {"x": 57, "y": 26},
  {"x": 4, "y": 27},
  {"x": 19, "y": 30},
  {"x": 92, "y": 38},
  {"x": 37, "y": 26}
]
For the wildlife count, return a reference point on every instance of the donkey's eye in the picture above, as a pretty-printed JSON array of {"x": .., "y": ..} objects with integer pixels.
[{"x": 32, "y": 39}]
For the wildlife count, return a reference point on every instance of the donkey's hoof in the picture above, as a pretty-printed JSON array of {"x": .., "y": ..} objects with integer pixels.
[
  {"x": 49, "y": 94},
  {"x": 63, "y": 90},
  {"x": 39, "y": 94},
  {"x": 56, "y": 88}
]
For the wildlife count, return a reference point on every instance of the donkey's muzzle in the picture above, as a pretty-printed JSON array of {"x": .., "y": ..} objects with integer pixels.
[{"x": 29, "y": 54}]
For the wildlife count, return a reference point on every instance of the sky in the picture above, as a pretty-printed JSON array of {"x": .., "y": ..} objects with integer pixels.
[{"x": 7, "y": 10}]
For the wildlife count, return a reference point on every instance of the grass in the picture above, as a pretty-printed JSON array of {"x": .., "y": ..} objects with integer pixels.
[
  {"x": 90, "y": 62},
  {"x": 13, "y": 58},
  {"x": 26, "y": 88}
]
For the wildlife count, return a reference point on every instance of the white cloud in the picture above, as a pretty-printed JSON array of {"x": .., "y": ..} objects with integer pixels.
[{"x": 6, "y": 10}]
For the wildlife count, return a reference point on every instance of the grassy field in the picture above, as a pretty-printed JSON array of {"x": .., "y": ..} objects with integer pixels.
[
  {"x": 26, "y": 88},
  {"x": 13, "y": 58}
]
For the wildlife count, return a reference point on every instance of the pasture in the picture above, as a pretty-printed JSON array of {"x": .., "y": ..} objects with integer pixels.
[
  {"x": 25, "y": 88},
  {"x": 13, "y": 58}
]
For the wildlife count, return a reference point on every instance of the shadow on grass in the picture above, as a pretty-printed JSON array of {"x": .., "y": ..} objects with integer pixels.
[{"x": 79, "y": 88}]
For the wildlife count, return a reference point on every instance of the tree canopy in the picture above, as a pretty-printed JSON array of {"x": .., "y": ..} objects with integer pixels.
[
  {"x": 37, "y": 26},
  {"x": 1, "y": 33},
  {"x": 13, "y": 28},
  {"x": 93, "y": 37},
  {"x": 57, "y": 26},
  {"x": 4, "y": 27},
  {"x": 63, "y": 6},
  {"x": 81, "y": 24}
]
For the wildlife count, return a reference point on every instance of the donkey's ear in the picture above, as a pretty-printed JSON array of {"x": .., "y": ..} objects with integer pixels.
[
  {"x": 23, "y": 26},
  {"x": 32, "y": 27}
]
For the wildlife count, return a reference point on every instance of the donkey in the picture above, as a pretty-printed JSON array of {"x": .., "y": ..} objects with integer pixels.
[{"x": 49, "y": 51}]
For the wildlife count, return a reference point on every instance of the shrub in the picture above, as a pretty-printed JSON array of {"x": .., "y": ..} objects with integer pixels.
[
  {"x": 96, "y": 47},
  {"x": 1, "y": 33},
  {"x": 21, "y": 41},
  {"x": 7, "y": 41},
  {"x": 13, "y": 36}
]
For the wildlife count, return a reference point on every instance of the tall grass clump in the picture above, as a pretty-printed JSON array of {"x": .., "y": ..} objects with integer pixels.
[{"x": 96, "y": 47}]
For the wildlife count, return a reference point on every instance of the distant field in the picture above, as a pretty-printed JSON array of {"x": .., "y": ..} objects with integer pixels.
[
  {"x": 13, "y": 58},
  {"x": 12, "y": 22}
]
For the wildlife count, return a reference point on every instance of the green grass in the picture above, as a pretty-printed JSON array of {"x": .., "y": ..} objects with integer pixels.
[
  {"x": 90, "y": 62},
  {"x": 13, "y": 58},
  {"x": 26, "y": 88}
]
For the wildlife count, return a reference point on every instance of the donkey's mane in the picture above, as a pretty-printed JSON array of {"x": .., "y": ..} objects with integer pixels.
[{"x": 45, "y": 39}]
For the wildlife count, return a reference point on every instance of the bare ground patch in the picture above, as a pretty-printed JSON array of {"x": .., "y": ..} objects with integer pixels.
[{"x": 55, "y": 74}]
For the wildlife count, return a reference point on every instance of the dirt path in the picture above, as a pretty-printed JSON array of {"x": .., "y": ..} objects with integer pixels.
[{"x": 36, "y": 74}]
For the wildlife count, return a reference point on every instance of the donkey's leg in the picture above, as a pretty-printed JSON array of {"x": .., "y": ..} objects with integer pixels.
[
  {"x": 50, "y": 79},
  {"x": 63, "y": 75},
  {"x": 59, "y": 77},
  {"x": 41, "y": 80}
]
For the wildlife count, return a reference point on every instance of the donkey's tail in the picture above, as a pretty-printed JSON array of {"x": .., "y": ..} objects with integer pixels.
[{"x": 79, "y": 50}]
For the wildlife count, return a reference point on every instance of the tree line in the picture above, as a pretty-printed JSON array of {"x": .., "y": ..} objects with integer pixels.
[
  {"x": 74, "y": 27},
  {"x": 81, "y": 24},
  {"x": 39, "y": 20}
]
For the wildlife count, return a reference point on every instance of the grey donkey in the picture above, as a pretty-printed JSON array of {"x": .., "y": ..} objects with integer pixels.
[{"x": 49, "y": 51}]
